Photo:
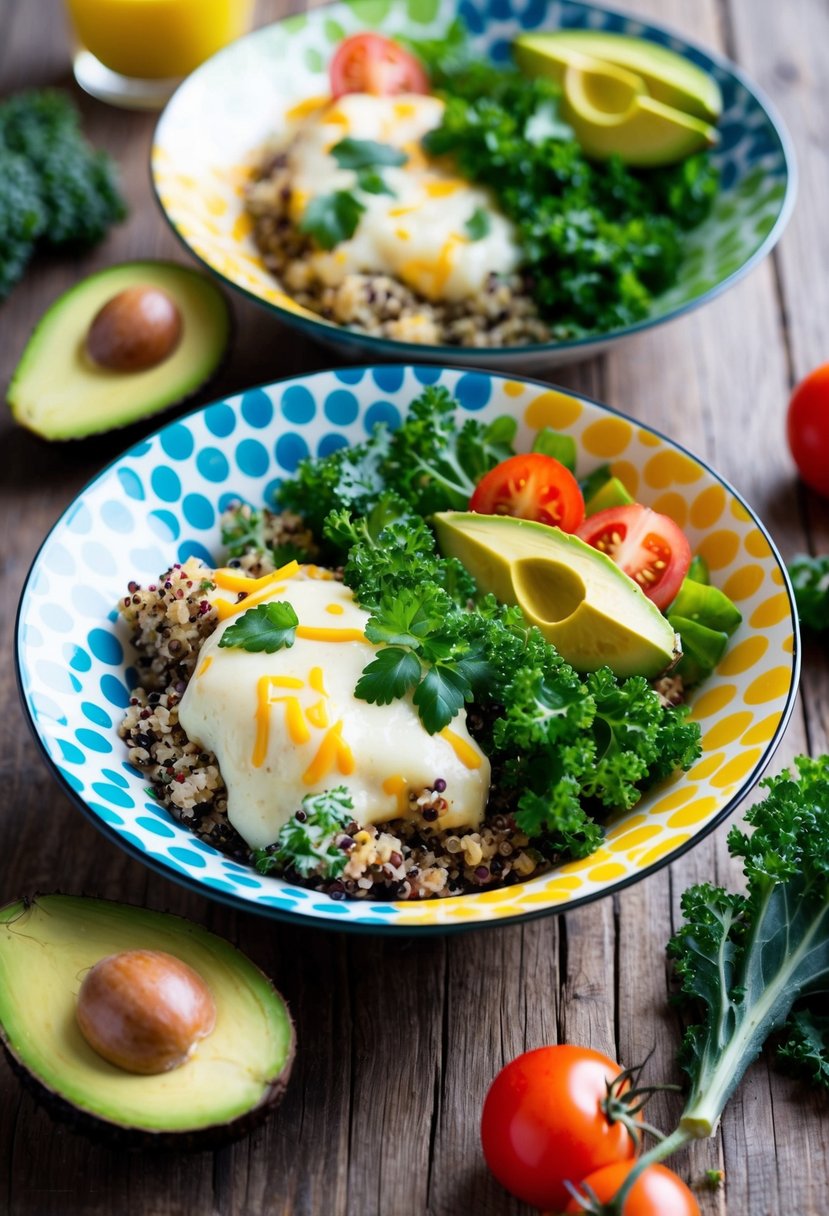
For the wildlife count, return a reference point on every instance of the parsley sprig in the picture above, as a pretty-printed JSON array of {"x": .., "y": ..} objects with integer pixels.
[
  {"x": 267, "y": 627},
  {"x": 307, "y": 843},
  {"x": 333, "y": 218}
]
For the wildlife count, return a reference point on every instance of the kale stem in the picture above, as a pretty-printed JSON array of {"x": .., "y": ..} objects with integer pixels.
[{"x": 670, "y": 1144}]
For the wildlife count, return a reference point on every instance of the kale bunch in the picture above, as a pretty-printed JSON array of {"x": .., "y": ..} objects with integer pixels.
[
  {"x": 599, "y": 240},
  {"x": 54, "y": 188},
  {"x": 810, "y": 580}
]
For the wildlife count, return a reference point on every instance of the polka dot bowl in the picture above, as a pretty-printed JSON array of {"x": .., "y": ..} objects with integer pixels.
[
  {"x": 208, "y": 138},
  {"x": 160, "y": 502}
]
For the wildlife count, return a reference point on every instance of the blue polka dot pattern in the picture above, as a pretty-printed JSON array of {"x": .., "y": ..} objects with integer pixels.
[
  {"x": 177, "y": 441},
  {"x": 220, "y": 420},
  {"x": 382, "y": 411},
  {"x": 298, "y": 404},
  {"x": 212, "y": 464},
  {"x": 257, "y": 408},
  {"x": 472, "y": 390},
  {"x": 165, "y": 483},
  {"x": 198, "y": 511},
  {"x": 164, "y": 524},
  {"x": 136, "y": 518},
  {"x": 341, "y": 407},
  {"x": 131, "y": 483},
  {"x": 252, "y": 457},
  {"x": 290, "y": 449}
]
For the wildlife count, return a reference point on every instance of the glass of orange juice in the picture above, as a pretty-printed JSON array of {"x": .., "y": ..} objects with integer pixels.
[{"x": 134, "y": 52}]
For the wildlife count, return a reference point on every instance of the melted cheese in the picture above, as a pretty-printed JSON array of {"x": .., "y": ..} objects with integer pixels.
[
  {"x": 432, "y": 252},
  {"x": 288, "y": 724}
]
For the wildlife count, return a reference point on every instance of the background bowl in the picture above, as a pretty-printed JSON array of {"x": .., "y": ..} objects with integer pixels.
[
  {"x": 160, "y": 503},
  {"x": 207, "y": 140}
]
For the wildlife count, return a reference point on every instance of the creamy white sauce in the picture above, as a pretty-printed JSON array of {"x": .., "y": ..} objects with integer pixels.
[
  {"x": 419, "y": 235},
  {"x": 287, "y": 724}
]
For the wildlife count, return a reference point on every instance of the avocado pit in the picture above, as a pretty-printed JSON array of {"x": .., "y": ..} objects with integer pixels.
[
  {"x": 135, "y": 330},
  {"x": 144, "y": 1010}
]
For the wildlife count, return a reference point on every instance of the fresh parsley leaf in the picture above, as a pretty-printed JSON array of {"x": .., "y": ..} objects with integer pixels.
[
  {"x": 373, "y": 182},
  {"x": 440, "y": 696},
  {"x": 478, "y": 225},
  {"x": 332, "y": 218},
  {"x": 388, "y": 677},
  {"x": 366, "y": 154},
  {"x": 309, "y": 844},
  {"x": 267, "y": 627}
]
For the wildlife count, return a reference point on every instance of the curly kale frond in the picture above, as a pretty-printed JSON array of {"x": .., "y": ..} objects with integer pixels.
[
  {"x": 350, "y": 478},
  {"x": 744, "y": 961},
  {"x": 804, "y": 1049}
]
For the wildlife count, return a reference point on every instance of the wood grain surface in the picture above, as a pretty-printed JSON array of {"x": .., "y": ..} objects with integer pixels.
[{"x": 398, "y": 1040}]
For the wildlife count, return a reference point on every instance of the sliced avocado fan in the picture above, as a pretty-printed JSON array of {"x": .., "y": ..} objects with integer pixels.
[
  {"x": 59, "y": 392},
  {"x": 236, "y": 1075}
]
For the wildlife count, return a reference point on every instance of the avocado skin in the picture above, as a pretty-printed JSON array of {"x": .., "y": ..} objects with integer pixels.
[{"x": 124, "y": 1136}]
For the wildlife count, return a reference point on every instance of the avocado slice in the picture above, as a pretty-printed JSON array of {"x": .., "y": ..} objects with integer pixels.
[
  {"x": 236, "y": 1075},
  {"x": 667, "y": 76},
  {"x": 592, "y": 612},
  {"x": 57, "y": 390},
  {"x": 611, "y": 112},
  {"x": 613, "y": 493}
]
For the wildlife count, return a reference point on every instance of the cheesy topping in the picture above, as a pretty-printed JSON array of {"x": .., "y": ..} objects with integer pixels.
[
  {"x": 431, "y": 252},
  {"x": 288, "y": 724}
]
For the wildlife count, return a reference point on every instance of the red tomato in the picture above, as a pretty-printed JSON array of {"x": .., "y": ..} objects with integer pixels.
[
  {"x": 648, "y": 546},
  {"x": 531, "y": 487},
  {"x": 656, "y": 1192},
  {"x": 808, "y": 429},
  {"x": 370, "y": 63},
  {"x": 543, "y": 1123}
]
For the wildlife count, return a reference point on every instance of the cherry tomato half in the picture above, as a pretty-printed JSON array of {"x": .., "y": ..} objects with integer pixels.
[
  {"x": 656, "y": 1192},
  {"x": 531, "y": 487},
  {"x": 543, "y": 1123},
  {"x": 648, "y": 546},
  {"x": 807, "y": 426},
  {"x": 370, "y": 63}
]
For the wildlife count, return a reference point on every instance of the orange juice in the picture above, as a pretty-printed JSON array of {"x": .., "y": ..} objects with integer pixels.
[{"x": 155, "y": 39}]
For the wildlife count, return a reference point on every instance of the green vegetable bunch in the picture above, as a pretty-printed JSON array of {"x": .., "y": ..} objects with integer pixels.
[
  {"x": 756, "y": 965},
  {"x": 307, "y": 842},
  {"x": 598, "y": 240},
  {"x": 54, "y": 188},
  {"x": 565, "y": 747},
  {"x": 810, "y": 579}
]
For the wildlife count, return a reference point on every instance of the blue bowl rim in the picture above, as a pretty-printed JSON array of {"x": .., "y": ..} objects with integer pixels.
[
  {"x": 327, "y": 333},
  {"x": 385, "y": 928}
]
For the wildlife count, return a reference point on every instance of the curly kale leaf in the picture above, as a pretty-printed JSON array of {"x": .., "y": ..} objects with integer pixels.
[
  {"x": 598, "y": 239},
  {"x": 22, "y": 217},
  {"x": 744, "y": 961},
  {"x": 307, "y": 843},
  {"x": 351, "y": 478},
  {"x": 810, "y": 580},
  {"x": 434, "y": 463},
  {"x": 804, "y": 1051}
]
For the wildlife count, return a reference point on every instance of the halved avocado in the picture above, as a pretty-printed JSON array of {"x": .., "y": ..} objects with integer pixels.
[
  {"x": 236, "y": 1075},
  {"x": 668, "y": 76},
  {"x": 591, "y": 611},
  {"x": 58, "y": 391}
]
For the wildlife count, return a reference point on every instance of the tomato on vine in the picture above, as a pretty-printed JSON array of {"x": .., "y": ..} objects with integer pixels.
[
  {"x": 656, "y": 1192},
  {"x": 555, "y": 1115}
]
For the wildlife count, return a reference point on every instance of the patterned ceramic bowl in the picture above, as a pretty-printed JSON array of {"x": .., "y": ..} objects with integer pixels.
[
  {"x": 160, "y": 503},
  {"x": 208, "y": 136}
]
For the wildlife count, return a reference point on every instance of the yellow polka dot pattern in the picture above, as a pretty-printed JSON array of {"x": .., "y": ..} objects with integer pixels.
[{"x": 740, "y": 709}]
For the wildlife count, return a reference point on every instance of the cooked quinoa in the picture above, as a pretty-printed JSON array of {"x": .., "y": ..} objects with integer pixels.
[
  {"x": 504, "y": 314},
  {"x": 402, "y": 859}
]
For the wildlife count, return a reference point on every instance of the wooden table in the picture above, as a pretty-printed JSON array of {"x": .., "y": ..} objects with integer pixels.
[{"x": 398, "y": 1040}]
